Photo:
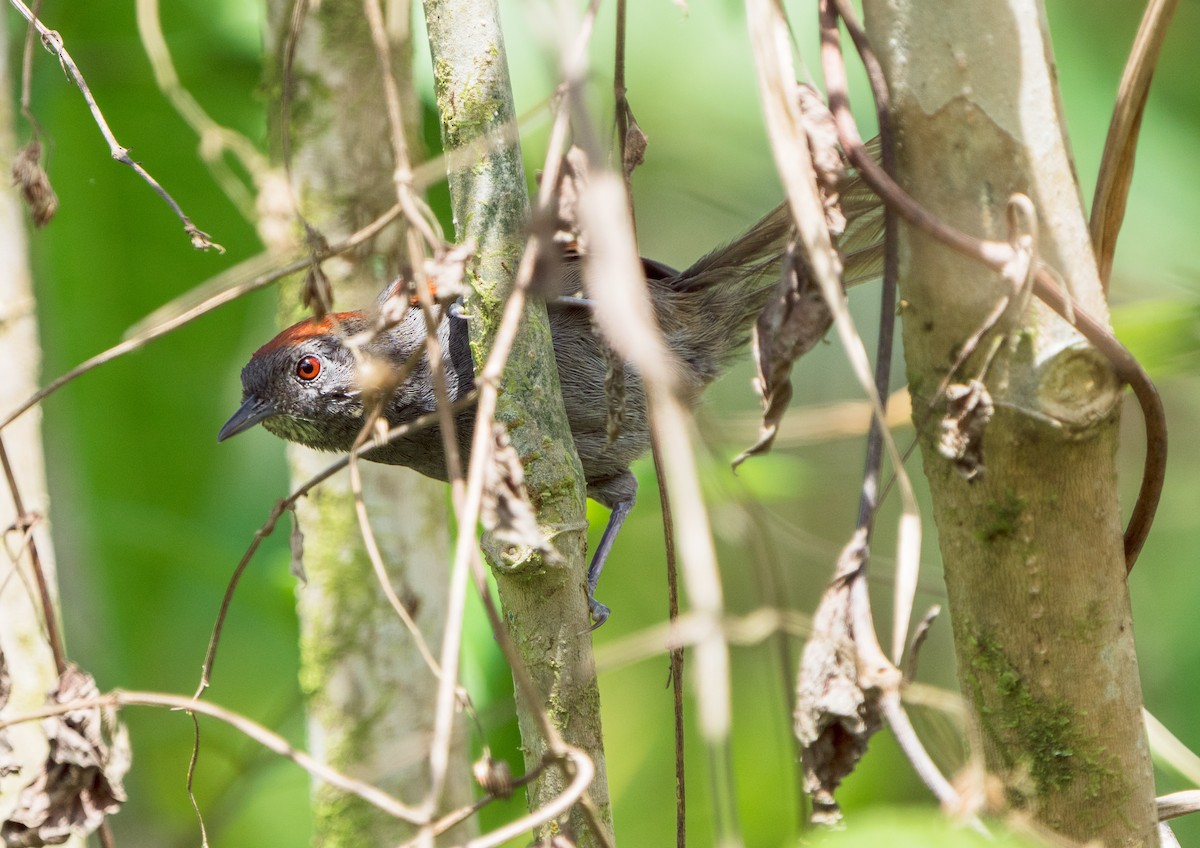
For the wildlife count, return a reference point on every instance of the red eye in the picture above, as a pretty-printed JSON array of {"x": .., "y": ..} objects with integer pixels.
[{"x": 308, "y": 368}]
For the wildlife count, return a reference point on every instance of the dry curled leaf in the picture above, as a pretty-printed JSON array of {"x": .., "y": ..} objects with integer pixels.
[
  {"x": 200, "y": 239},
  {"x": 505, "y": 511},
  {"x": 797, "y": 316},
  {"x": 827, "y": 159},
  {"x": 794, "y": 320},
  {"x": 493, "y": 775},
  {"x": 837, "y": 713},
  {"x": 28, "y": 173},
  {"x": 81, "y": 780},
  {"x": 633, "y": 150},
  {"x": 969, "y": 408},
  {"x": 572, "y": 183},
  {"x": 445, "y": 272}
]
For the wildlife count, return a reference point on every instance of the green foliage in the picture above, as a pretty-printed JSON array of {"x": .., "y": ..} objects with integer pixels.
[
  {"x": 906, "y": 828},
  {"x": 151, "y": 515}
]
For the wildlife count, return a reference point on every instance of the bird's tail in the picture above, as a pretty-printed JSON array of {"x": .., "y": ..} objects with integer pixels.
[{"x": 709, "y": 308}]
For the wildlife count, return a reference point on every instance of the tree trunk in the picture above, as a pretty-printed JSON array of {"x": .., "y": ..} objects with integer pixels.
[
  {"x": 545, "y": 604},
  {"x": 1033, "y": 552},
  {"x": 28, "y": 659},
  {"x": 370, "y": 697}
]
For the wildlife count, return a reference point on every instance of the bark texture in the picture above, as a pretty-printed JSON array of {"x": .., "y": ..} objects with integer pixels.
[
  {"x": 1033, "y": 552},
  {"x": 28, "y": 659},
  {"x": 545, "y": 604},
  {"x": 370, "y": 697}
]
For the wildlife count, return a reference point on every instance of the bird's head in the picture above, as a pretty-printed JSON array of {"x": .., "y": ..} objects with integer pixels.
[{"x": 303, "y": 385}]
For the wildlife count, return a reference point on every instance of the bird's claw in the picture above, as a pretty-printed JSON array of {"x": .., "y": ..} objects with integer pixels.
[{"x": 599, "y": 612}]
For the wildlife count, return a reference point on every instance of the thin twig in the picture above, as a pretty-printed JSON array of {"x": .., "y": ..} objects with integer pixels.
[
  {"x": 1116, "y": 165},
  {"x": 267, "y": 738},
  {"x": 456, "y": 817},
  {"x": 27, "y": 71},
  {"x": 214, "y": 138},
  {"x": 45, "y": 600},
  {"x": 582, "y": 771},
  {"x": 210, "y": 303},
  {"x": 677, "y": 656},
  {"x": 277, "y": 512},
  {"x": 910, "y": 743},
  {"x": 623, "y": 114},
  {"x": 54, "y": 43},
  {"x": 907, "y": 572}
]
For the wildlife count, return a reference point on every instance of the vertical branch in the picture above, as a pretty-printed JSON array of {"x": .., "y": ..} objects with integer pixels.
[
  {"x": 30, "y": 641},
  {"x": 1034, "y": 562},
  {"x": 1116, "y": 165},
  {"x": 369, "y": 690},
  {"x": 545, "y": 603}
]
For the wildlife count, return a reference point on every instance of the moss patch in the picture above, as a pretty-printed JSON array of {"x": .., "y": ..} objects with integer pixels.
[
  {"x": 1043, "y": 737},
  {"x": 1005, "y": 516}
]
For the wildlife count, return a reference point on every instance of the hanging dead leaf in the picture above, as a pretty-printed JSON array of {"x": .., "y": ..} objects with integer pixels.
[
  {"x": 837, "y": 712},
  {"x": 969, "y": 408},
  {"x": 572, "y": 183},
  {"x": 493, "y": 775},
  {"x": 633, "y": 148},
  {"x": 81, "y": 780},
  {"x": 827, "y": 159},
  {"x": 505, "y": 511},
  {"x": 445, "y": 272},
  {"x": 794, "y": 320},
  {"x": 28, "y": 173}
]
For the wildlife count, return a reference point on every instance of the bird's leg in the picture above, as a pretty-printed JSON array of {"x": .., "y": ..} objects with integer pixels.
[{"x": 620, "y": 511}]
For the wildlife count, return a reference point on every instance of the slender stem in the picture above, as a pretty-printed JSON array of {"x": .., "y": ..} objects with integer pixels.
[{"x": 49, "y": 614}]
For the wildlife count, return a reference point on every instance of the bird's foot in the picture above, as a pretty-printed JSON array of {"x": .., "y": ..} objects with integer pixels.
[{"x": 599, "y": 611}]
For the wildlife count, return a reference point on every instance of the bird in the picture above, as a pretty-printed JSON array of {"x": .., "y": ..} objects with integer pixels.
[{"x": 305, "y": 385}]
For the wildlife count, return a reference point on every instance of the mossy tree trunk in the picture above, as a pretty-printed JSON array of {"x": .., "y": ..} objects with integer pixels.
[
  {"x": 370, "y": 697},
  {"x": 1033, "y": 553},
  {"x": 545, "y": 603}
]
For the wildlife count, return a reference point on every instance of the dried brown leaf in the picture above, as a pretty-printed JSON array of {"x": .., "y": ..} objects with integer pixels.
[
  {"x": 28, "y": 173},
  {"x": 633, "y": 150},
  {"x": 493, "y": 775},
  {"x": 506, "y": 512},
  {"x": 572, "y": 183},
  {"x": 827, "y": 159},
  {"x": 81, "y": 780},
  {"x": 794, "y": 320},
  {"x": 446, "y": 271},
  {"x": 969, "y": 408},
  {"x": 797, "y": 316},
  {"x": 837, "y": 712}
]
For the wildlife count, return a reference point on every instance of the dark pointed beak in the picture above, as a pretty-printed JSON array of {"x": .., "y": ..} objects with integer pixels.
[{"x": 252, "y": 410}]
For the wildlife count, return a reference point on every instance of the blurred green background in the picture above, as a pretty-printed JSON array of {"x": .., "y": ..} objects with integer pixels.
[{"x": 150, "y": 514}]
